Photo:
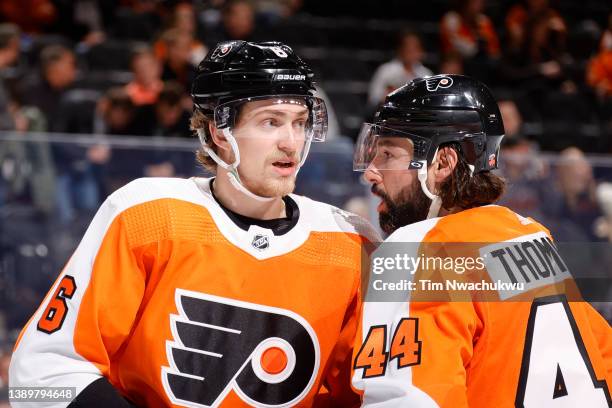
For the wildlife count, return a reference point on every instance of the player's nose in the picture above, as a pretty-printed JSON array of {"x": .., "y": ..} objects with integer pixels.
[
  {"x": 289, "y": 139},
  {"x": 372, "y": 175}
]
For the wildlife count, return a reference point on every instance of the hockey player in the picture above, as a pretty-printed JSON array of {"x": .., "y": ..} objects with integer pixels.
[
  {"x": 219, "y": 292},
  {"x": 428, "y": 156}
]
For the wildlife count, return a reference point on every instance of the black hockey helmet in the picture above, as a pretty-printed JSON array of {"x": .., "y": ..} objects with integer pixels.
[
  {"x": 434, "y": 111},
  {"x": 238, "y": 69},
  {"x": 235, "y": 73}
]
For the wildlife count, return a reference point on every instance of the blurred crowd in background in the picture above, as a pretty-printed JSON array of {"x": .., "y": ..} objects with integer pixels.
[{"x": 99, "y": 73}]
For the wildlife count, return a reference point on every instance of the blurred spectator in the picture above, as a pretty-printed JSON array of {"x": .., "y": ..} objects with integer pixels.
[
  {"x": 577, "y": 203},
  {"x": 80, "y": 181},
  {"x": 534, "y": 18},
  {"x": 28, "y": 173},
  {"x": 468, "y": 32},
  {"x": 237, "y": 23},
  {"x": 526, "y": 177},
  {"x": 451, "y": 63},
  {"x": 84, "y": 21},
  {"x": 521, "y": 166},
  {"x": 58, "y": 73},
  {"x": 81, "y": 171},
  {"x": 274, "y": 10},
  {"x": 606, "y": 37},
  {"x": 116, "y": 115},
  {"x": 604, "y": 198},
  {"x": 238, "y": 19},
  {"x": 9, "y": 52},
  {"x": 513, "y": 121},
  {"x": 599, "y": 71},
  {"x": 406, "y": 66},
  {"x": 135, "y": 19},
  {"x": 184, "y": 20},
  {"x": 535, "y": 56},
  {"x": 32, "y": 16},
  {"x": 147, "y": 84},
  {"x": 177, "y": 63},
  {"x": 172, "y": 120}
]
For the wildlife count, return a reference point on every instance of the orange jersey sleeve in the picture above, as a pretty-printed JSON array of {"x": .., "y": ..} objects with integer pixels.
[{"x": 80, "y": 327}]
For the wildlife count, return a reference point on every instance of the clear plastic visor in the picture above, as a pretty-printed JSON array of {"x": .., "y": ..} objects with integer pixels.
[
  {"x": 296, "y": 117},
  {"x": 383, "y": 148}
]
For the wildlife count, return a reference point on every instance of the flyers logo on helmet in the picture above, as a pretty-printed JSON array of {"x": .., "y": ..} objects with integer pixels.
[
  {"x": 221, "y": 51},
  {"x": 492, "y": 160},
  {"x": 433, "y": 84},
  {"x": 267, "y": 356}
]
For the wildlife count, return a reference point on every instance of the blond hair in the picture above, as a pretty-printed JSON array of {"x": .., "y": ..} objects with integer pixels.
[{"x": 199, "y": 121}]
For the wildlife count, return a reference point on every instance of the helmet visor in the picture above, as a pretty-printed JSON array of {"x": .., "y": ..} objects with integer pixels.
[
  {"x": 385, "y": 148},
  {"x": 274, "y": 116}
]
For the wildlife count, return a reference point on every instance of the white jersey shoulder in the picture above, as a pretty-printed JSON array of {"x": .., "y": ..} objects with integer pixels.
[
  {"x": 413, "y": 232},
  {"x": 328, "y": 218},
  {"x": 147, "y": 189}
]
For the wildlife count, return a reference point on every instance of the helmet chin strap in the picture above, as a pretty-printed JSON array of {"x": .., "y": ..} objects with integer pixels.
[
  {"x": 232, "y": 169},
  {"x": 436, "y": 203}
]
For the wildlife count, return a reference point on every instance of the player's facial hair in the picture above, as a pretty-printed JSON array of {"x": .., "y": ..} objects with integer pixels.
[
  {"x": 266, "y": 187},
  {"x": 410, "y": 206}
]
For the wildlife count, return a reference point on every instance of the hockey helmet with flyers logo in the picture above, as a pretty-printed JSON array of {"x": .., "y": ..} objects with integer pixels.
[
  {"x": 434, "y": 111},
  {"x": 239, "y": 69}
]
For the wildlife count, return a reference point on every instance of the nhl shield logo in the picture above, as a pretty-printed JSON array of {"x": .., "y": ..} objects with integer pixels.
[
  {"x": 433, "y": 84},
  {"x": 260, "y": 242}
]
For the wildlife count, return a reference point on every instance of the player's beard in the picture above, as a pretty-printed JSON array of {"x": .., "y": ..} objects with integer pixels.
[
  {"x": 271, "y": 186},
  {"x": 410, "y": 206}
]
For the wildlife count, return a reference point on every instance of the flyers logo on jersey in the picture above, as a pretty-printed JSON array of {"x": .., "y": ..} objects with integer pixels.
[
  {"x": 434, "y": 84},
  {"x": 267, "y": 356}
]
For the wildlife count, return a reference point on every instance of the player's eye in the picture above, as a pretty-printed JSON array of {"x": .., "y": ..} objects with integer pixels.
[
  {"x": 300, "y": 124},
  {"x": 386, "y": 154},
  {"x": 270, "y": 123}
]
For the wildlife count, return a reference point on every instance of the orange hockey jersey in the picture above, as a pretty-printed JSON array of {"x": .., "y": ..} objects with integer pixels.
[
  {"x": 513, "y": 350},
  {"x": 177, "y": 306}
]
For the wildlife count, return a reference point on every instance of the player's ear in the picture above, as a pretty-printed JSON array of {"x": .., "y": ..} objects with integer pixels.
[
  {"x": 218, "y": 137},
  {"x": 445, "y": 163}
]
